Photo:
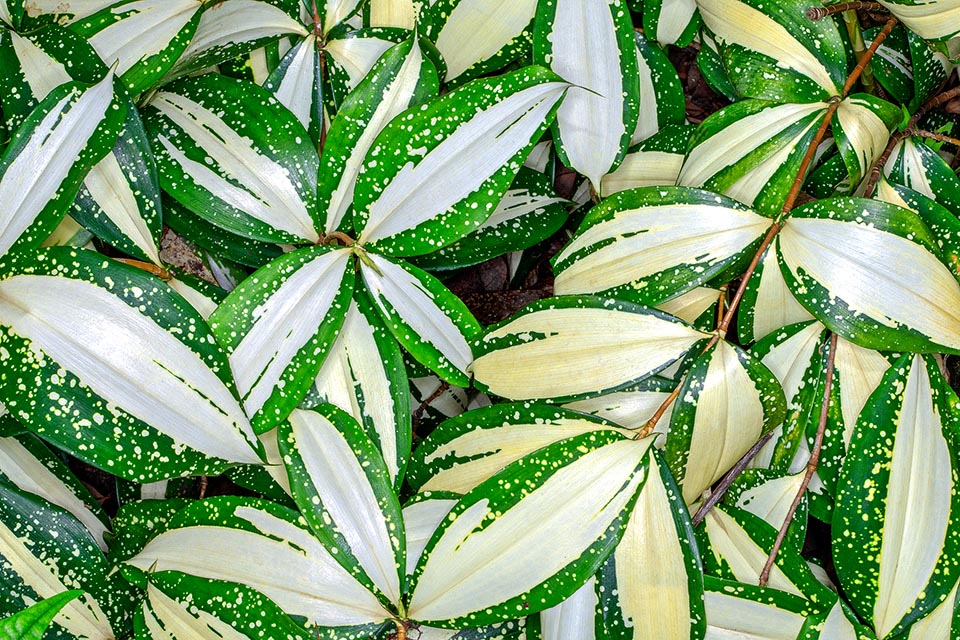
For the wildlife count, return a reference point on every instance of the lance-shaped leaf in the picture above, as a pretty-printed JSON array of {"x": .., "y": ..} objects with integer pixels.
[
  {"x": 391, "y": 13},
  {"x": 915, "y": 165},
  {"x": 653, "y": 582},
  {"x": 298, "y": 84},
  {"x": 438, "y": 171},
  {"x": 767, "y": 303},
  {"x": 364, "y": 375},
  {"x": 342, "y": 486},
  {"x": 529, "y": 213},
  {"x": 942, "y": 622},
  {"x": 727, "y": 401},
  {"x": 230, "y": 28},
  {"x": 45, "y": 163},
  {"x": 202, "y": 296},
  {"x": 929, "y": 19},
  {"x": 757, "y": 613},
  {"x": 401, "y": 78},
  {"x": 29, "y": 465},
  {"x": 651, "y": 244},
  {"x": 632, "y": 407},
  {"x": 861, "y": 128},
  {"x": 840, "y": 623},
  {"x": 777, "y": 51},
  {"x": 894, "y": 546},
  {"x": 429, "y": 321},
  {"x": 768, "y": 496},
  {"x": 33, "y": 622},
  {"x": 142, "y": 37},
  {"x": 661, "y": 93},
  {"x": 466, "y": 450},
  {"x": 178, "y": 606},
  {"x": 475, "y": 36},
  {"x": 606, "y": 91},
  {"x": 278, "y": 325},
  {"x": 11, "y": 12},
  {"x": 751, "y": 151},
  {"x": 265, "y": 547},
  {"x": 671, "y": 21},
  {"x": 44, "y": 551},
  {"x": 610, "y": 344},
  {"x": 576, "y": 617},
  {"x": 504, "y": 550},
  {"x": 654, "y": 162},
  {"x": 75, "y": 10},
  {"x": 250, "y": 169},
  {"x": 835, "y": 254},
  {"x": 333, "y": 12},
  {"x": 421, "y": 517},
  {"x": 353, "y": 53},
  {"x": 130, "y": 380}
]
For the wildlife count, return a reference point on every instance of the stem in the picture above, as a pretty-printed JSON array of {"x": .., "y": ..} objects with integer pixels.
[
  {"x": 811, "y": 463},
  {"x": 151, "y": 268},
  {"x": 729, "y": 478},
  {"x": 337, "y": 236},
  {"x": 865, "y": 60},
  {"x": 401, "y": 629},
  {"x": 418, "y": 412},
  {"x": 721, "y": 305},
  {"x": 935, "y": 136},
  {"x": 819, "y": 13},
  {"x": 852, "y": 22}
]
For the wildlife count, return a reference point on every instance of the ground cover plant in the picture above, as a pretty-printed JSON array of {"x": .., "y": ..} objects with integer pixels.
[{"x": 540, "y": 319}]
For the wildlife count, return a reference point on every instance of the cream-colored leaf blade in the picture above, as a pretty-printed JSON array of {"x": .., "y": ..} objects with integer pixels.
[
  {"x": 392, "y": 13},
  {"x": 929, "y": 19},
  {"x": 643, "y": 169},
  {"x": 733, "y": 615},
  {"x": 356, "y": 56},
  {"x": 691, "y": 305},
  {"x": 575, "y": 617},
  {"x": 42, "y": 73},
  {"x": 864, "y": 131},
  {"x": 295, "y": 90},
  {"x": 174, "y": 621},
  {"x": 421, "y": 519},
  {"x": 336, "y": 11},
  {"x": 774, "y": 305}
]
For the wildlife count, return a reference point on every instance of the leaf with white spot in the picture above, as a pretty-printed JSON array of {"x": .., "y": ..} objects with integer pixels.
[
  {"x": 579, "y": 616},
  {"x": 298, "y": 84},
  {"x": 255, "y": 544},
  {"x": 278, "y": 325},
  {"x": 611, "y": 345},
  {"x": 661, "y": 93},
  {"x": 671, "y": 21},
  {"x": 34, "y": 622},
  {"x": 651, "y": 244},
  {"x": 431, "y": 323},
  {"x": 768, "y": 495},
  {"x": 402, "y": 77},
  {"x": 653, "y": 582},
  {"x": 11, "y": 13},
  {"x": 143, "y": 391},
  {"x": 929, "y": 19},
  {"x": 591, "y": 44},
  {"x": 894, "y": 544},
  {"x": 364, "y": 375},
  {"x": 478, "y": 36},
  {"x": 466, "y": 450},
  {"x": 250, "y": 169},
  {"x": 421, "y": 518},
  {"x": 767, "y": 303},
  {"x": 48, "y": 157},
  {"x": 840, "y": 623},
  {"x": 915, "y": 165},
  {"x": 738, "y": 610},
  {"x": 861, "y": 128},
  {"x": 655, "y": 162},
  {"x": 67, "y": 12},
  {"x": 351, "y": 55},
  {"x": 202, "y": 295},
  {"x": 505, "y": 549},
  {"x": 727, "y": 401},
  {"x": 44, "y": 551},
  {"x": 835, "y": 254},
  {"x": 942, "y": 623},
  {"x": 631, "y": 407},
  {"x": 142, "y": 37},
  {"x": 333, "y": 12},
  {"x": 438, "y": 171},
  {"x": 774, "y": 51},
  {"x": 751, "y": 151},
  {"x": 341, "y": 484}
]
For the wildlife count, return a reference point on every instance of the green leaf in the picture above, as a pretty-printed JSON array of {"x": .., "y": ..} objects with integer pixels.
[
  {"x": 861, "y": 128},
  {"x": 938, "y": 20},
  {"x": 654, "y": 162},
  {"x": 130, "y": 380},
  {"x": 298, "y": 84},
  {"x": 11, "y": 12},
  {"x": 915, "y": 165},
  {"x": 768, "y": 495},
  {"x": 352, "y": 54},
  {"x": 33, "y": 622},
  {"x": 660, "y": 91},
  {"x": 751, "y": 611},
  {"x": 671, "y": 22}
]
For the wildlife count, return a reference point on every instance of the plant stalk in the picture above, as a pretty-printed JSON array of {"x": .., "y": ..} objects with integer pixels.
[{"x": 717, "y": 495}]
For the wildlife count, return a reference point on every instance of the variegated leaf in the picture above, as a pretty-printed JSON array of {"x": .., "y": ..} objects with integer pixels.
[
  {"x": 653, "y": 582},
  {"x": 35, "y": 621},
  {"x": 650, "y": 244},
  {"x": 576, "y": 617},
  {"x": 392, "y": 13},
  {"x": 597, "y": 119},
  {"x": 767, "y": 303},
  {"x": 503, "y": 552},
  {"x": 929, "y": 19},
  {"x": 610, "y": 344},
  {"x": 298, "y": 84},
  {"x": 352, "y": 54},
  {"x": 655, "y": 162},
  {"x": 671, "y": 21},
  {"x": 861, "y": 128},
  {"x": 142, "y": 390},
  {"x": 74, "y": 10},
  {"x": 835, "y": 253},
  {"x": 333, "y": 12},
  {"x": 768, "y": 495},
  {"x": 466, "y": 450},
  {"x": 438, "y": 171},
  {"x": 894, "y": 548},
  {"x": 942, "y": 623},
  {"x": 402, "y": 78},
  {"x": 421, "y": 518},
  {"x": 257, "y": 181},
  {"x": 661, "y": 93},
  {"x": 424, "y": 316},
  {"x": 915, "y": 165},
  {"x": 632, "y": 407},
  {"x": 754, "y": 613},
  {"x": 278, "y": 326},
  {"x": 11, "y": 12}
]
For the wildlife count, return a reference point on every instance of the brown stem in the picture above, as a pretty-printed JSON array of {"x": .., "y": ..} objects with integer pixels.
[
  {"x": 204, "y": 483},
  {"x": 935, "y": 102},
  {"x": 935, "y": 136},
  {"x": 819, "y": 13},
  {"x": 721, "y": 305},
  {"x": 811, "y": 463},
  {"x": 339, "y": 237},
  {"x": 401, "y": 629},
  {"x": 317, "y": 27},
  {"x": 871, "y": 50},
  {"x": 149, "y": 267},
  {"x": 717, "y": 495},
  {"x": 418, "y": 412}
]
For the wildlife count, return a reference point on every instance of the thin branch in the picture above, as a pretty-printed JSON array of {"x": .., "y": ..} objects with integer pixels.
[
  {"x": 812, "y": 463},
  {"x": 819, "y": 13},
  {"x": 418, "y": 412},
  {"x": 717, "y": 495},
  {"x": 149, "y": 267},
  {"x": 935, "y": 136},
  {"x": 871, "y": 50}
]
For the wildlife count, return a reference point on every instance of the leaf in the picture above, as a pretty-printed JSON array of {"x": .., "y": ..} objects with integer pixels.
[
  {"x": 632, "y": 407},
  {"x": 437, "y": 171},
  {"x": 33, "y": 622},
  {"x": 577, "y": 616},
  {"x": 256, "y": 181},
  {"x": 777, "y": 51},
  {"x": 769, "y": 496},
  {"x": 401, "y": 78},
  {"x": 36, "y": 183},
  {"x": 495, "y": 530},
  {"x": 648, "y": 245},
  {"x": 767, "y": 303},
  {"x": 605, "y": 91},
  {"x": 727, "y": 401},
  {"x": 915, "y": 165},
  {"x": 342, "y": 486},
  {"x": 660, "y": 92},
  {"x": 130, "y": 380},
  {"x": 421, "y": 517},
  {"x": 74, "y": 11},
  {"x": 897, "y": 485},
  {"x": 278, "y": 325},
  {"x": 475, "y": 36},
  {"x": 655, "y": 162},
  {"x": 611, "y": 345},
  {"x": 931, "y": 20},
  {"x": 671, "y": 21},
  {"x": 758, "y": 613},
  {"x": 142, "y": 37},
  {"x": 834, "y": 254},
  {"x": 468, "y": 449},
  {"x": 11, "y": 12},
  {"x": 262, "y": 546},
  {"x": 861, "y": 128},
  {"x": 431, "y": 323},
  {"x": 391, "y": 13},
  {"x": 352, "y": 55},
  {"x": 653, "y": 582},
  {"x": 333, "y": 12},
  {"x": 298, "y": 84}
]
